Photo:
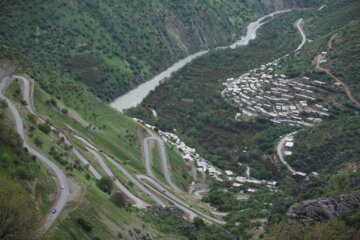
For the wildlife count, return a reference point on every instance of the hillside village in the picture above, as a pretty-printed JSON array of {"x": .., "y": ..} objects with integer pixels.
[
  {"x": 189, "y": 154},
  {"x": 262, "y": 92}
]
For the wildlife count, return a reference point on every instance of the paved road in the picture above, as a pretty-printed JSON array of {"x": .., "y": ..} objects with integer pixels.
[
  {"x": 163, "y": 158},
  {"x": 192, "y": 212},
  {"x": 138, "y": 202},
  {"x": 303, "y": 35},
  {"x": 198, "y": 193},
  {"x": 280, "y": 154},
  {"x": 61, "y": 178}
]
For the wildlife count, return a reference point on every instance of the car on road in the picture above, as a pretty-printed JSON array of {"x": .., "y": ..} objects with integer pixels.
[
  {"x": 10, "y": 76},
  {"x": 100, "y": 150},
  {"x": 62, "y": 186},
  {"x": 54, "y": 210}
]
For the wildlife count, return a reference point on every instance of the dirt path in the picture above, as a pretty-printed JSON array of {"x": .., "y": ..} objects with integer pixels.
[
  {"x": 317, "y": 60},
  {"x": 331, "y": 39}
]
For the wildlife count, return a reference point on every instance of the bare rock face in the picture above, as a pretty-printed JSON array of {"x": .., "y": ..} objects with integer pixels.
[{"x": 322, "y": 209}]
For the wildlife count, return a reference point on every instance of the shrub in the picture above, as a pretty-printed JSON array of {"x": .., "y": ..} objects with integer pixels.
[
  {"x": 105, "y": 184},
  {"x": 118, "y": 199},
  {"x": 64, "y": 111},
  {"x": 44, "y": 128},
  {"x": 85, "y": 225},
  {"x": 38, "y": 142},
  {"x": 23, "y": 173}
]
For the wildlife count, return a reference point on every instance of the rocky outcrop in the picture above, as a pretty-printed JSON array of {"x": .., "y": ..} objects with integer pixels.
[{"x": 322, "y": 209}]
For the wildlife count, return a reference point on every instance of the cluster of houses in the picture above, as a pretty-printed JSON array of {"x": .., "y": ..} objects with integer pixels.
[
  {"x": 239, "y": 180},
  {"x": 188, "y": 153},
  {"x": 262, "y": 92}
]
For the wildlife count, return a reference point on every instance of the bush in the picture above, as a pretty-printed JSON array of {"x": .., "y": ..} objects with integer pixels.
[
  {"x": 23, "y": 173},
  {"x": 105, "y": 184},
  {"x": 44, "y": 128},
  {"x": 64, "y": 111},
  {"x": 118, "y": 199},
  {"x": 120, "y": 235},
  {"x": 38, "y": 142},
  {"x": 85, "y": 225}
]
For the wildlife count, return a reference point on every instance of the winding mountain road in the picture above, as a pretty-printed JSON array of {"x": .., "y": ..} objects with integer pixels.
[
  {"x": 192, "y": 212},
  {"x": 61, "y": 178},
  {"x": 163, "y": 158},
  {"x": 138, "y": 202}
]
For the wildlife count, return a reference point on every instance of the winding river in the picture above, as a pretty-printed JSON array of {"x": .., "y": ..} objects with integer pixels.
[{"x": 135, "y": 96}]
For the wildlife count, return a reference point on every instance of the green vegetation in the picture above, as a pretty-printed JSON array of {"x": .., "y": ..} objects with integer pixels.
[
  {"x": 327, "y": 146},
  {"x": 156, "y": 163},
  {"x": 331, "y": 230},
  {"x": 207, "y": 121},
  {"x": 18, "y": 214},
  {"x": 344, "y": 63},
  {"x": 112, "y": 46},
  {"x": 118, "y": 199},
  {"x": 169, "y": 221},
  {"x": 26, "y": 185},
  {"x": 105, "y": 184}
]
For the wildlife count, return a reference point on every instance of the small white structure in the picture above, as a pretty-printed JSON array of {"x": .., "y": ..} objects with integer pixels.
[
  {"x": 289, "y": 144},
  {"x": 229, "y": 173},
  {"x": 288, "y": 153},
  {"x": 251, "y": 190}
]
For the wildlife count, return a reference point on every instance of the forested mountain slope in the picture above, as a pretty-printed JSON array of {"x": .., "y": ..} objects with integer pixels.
[{"x": 114, "y": 45}]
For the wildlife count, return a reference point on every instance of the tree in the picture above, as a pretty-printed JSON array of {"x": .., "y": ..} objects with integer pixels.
[
  {"x": 105, "y": 184},
  {"x": 38, "y": 142},
  {"x": 17, "y": 212},
  {"x": 44, "y": 128},
  {"x": 118, "y": 199}
]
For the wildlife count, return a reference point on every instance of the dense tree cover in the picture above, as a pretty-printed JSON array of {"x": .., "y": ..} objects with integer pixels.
[{"x": 114, "y": 45}]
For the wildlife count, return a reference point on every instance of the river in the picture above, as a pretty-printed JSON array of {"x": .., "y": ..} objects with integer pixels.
[{"x": 135, "y": 96}]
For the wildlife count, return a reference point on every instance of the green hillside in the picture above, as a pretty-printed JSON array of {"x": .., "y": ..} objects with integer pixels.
[
  {"x": 112, "y": 45},
  {"x": 326, "y": 147},
  {"x": 82, "y": 54}
]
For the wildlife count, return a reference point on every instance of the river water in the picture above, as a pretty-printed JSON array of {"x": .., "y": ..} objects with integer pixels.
[{"x": 135, "y": 96}]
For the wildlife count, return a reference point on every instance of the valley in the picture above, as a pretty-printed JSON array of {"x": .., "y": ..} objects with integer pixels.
[{"x": 108, "y": 130}]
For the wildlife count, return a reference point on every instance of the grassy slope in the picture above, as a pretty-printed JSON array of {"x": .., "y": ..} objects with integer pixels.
[
  {"x": 113, "y": 45},
  {"x": 106, "y": 219},
  {"x": 31, "y": 175}
]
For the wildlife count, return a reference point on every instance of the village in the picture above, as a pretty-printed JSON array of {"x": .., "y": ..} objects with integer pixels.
[
  {"x": 262, "y": 92},
  {"x": 189, "y": 154}
]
